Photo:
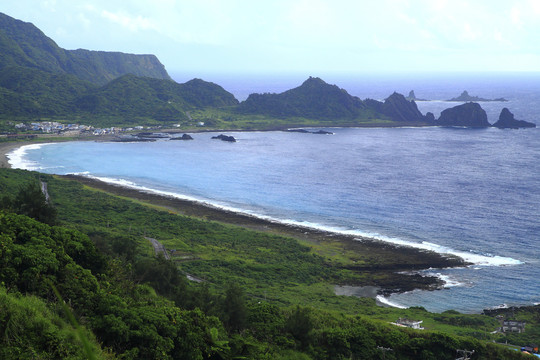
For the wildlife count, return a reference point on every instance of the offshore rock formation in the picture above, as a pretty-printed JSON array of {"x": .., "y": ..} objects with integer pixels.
[
  {"x": 507, "y": 121},
  {"x": 225, "y": 138},
  {"x": 468, "y": 115},
  {"x": 183, "y": 137},
  {"x": 466, "y": 97},
  {"x": 412, "y": 97}
]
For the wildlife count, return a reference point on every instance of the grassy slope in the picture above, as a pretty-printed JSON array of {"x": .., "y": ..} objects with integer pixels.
[{"x": 279, "y": 269}]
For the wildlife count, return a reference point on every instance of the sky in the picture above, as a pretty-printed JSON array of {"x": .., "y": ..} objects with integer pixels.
[{"x": 291, "y": 36}]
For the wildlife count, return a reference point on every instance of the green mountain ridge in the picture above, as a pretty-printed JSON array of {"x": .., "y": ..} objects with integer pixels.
[
  {"x": 40, "y": 80},
  {"x": 164, "y": 100},
  {"x": 23, "y": 44},
  {"x": 313, "y": 99}
]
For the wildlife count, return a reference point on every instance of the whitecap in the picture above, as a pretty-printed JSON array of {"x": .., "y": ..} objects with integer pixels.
[
  {"x": 17, "y": 160},
  {"x": 470, "y": 257},
  {"x": 386, "y": 301}
]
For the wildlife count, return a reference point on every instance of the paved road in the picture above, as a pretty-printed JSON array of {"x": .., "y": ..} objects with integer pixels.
[{"x": 158, "y": 247}]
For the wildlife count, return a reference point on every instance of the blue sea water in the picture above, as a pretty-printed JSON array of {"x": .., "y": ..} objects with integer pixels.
[{"x": 472, "y": 193}]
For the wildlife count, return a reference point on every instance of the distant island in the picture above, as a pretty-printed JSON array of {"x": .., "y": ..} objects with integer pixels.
[{"x": 466, "y": 97}]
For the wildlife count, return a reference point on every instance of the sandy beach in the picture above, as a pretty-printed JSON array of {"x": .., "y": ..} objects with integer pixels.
[{"x": 5, "y": 148}]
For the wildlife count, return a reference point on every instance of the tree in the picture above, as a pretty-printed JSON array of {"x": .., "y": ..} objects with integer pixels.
[
  {"x": 31, "y": 201},
  {"x": 300, "y": 325},
  {"x": 234, "y": 308}
]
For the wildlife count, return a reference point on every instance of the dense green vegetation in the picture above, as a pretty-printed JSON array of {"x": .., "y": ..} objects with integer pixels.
[
  {"x": 22, "y": 44},
  {"x": 41, "y": 81},
  {"x": 264, "y": 296},
  {"x": 79, "y": 278},
  {"x": 137, "y": 98},
  {"x": 307, "y": 101}
]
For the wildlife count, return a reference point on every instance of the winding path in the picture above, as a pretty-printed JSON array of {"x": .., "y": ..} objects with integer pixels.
[{"x": 158, "y": 247}]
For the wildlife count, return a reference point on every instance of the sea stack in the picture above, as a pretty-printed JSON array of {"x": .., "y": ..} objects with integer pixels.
[
  {"x": 507, "y": 121},
  {"x": 467, "y": 115}
]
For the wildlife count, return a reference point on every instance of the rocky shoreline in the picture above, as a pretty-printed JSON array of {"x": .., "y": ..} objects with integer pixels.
[{"x": 390, "y": 267}]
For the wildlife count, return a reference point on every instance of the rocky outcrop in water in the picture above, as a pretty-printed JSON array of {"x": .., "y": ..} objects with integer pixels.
[
  {"x": 412, "y": 97},
  {"x": 507, "y": 121},
  {"x": 304, "y": 131},
  {"x": 468, "y": 115},
  {"x": 225, "y": 138},
  {"x": 183, "y": 137},
  {"x": 466, "y": 97}
]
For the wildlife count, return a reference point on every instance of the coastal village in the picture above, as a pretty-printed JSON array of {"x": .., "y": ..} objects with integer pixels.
[{"x": 53, "y": 127}]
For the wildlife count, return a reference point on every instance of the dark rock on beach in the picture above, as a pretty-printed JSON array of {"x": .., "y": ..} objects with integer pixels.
[
  {"x": 183, "y": 137},
  {"x": 225, "y": 138},
  {"x": 507, "y": 121},
  {"x": 468, "y": 115}
]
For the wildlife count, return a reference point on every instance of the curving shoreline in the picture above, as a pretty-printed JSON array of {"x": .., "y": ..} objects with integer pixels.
[
  {"x": 5, "y": 149},
  {"x": 387, "y": 262},
  {"x": 395, "y": 267}
]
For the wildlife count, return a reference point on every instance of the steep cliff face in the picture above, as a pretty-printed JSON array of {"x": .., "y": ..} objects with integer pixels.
[
  {"x": 101, "y": 67},
  {"x": 398, "y": 108},
  {"x": 507, "y": 121},
  {"x": 23, "y": 44},
  {"x": 468, "y": 114}
]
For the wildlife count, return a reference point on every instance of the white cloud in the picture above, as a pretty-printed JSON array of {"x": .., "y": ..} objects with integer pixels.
[
  {"x": 515, "y": 17},
  {"x": 132, "y": 23},
  {"x": 295, "y": 33}
]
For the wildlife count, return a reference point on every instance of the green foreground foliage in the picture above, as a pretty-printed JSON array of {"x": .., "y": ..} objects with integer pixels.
[{"x": 264, "y": 296}]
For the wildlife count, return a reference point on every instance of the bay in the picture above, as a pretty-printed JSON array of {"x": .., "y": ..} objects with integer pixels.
[{"x": 474, "y": 193}]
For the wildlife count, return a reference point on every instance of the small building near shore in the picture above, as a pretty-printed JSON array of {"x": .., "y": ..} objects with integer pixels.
[
  {"x": 513, "y": 326},
  {"x": 413, "y": 324}
]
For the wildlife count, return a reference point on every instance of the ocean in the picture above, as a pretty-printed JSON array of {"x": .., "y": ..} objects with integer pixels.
[{"x": 474, "y": 193}]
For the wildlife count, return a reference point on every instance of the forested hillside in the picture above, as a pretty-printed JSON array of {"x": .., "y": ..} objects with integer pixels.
[
  {"x": 23, "y": 44},
  {"x": 132, "y": 305}
]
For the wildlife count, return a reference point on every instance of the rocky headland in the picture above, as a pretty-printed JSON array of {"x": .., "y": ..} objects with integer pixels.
[{"x": 399, "y": 109}]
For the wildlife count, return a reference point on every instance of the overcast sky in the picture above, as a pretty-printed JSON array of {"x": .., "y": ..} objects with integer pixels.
[{"x": 315, "y": 36}]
